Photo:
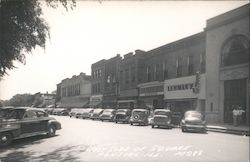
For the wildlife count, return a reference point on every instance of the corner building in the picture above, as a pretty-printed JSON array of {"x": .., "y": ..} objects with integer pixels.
[{"x": 227, "y": 55}]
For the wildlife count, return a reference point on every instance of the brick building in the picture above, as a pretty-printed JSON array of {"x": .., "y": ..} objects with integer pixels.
[
  {"x": 129, "y": 77},
  {"x": 110, "y": 93},
  {"x": 97, "y": 83},
  {"x": 75, "y": 91}
]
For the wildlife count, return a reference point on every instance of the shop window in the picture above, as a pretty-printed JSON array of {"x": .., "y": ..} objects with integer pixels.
[{"x": 235, "y": 51}]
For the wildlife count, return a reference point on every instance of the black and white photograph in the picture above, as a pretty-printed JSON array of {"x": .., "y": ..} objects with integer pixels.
[{"x": 124, "y": 81}]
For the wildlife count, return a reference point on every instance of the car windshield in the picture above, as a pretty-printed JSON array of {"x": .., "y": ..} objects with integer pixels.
[
  {"x": 12, "y": 113},
  {"x": 193, "y": 114},
  {"x": 140, "y": 112},
  {"x": 96, "y": 111},
  {"x": 122, "y": 111},
  {"x": 108, "y": 111},
  {"x": 162, "y": 113}
]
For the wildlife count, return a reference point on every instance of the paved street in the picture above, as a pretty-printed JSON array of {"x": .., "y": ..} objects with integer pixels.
[{"x": 87, "y": 140}]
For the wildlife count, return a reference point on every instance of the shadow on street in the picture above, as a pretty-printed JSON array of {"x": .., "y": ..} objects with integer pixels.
[{"x": 15, "y": 152}]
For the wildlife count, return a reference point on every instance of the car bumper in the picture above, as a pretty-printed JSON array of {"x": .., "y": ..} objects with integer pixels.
[{"x": 194, "y": 127}]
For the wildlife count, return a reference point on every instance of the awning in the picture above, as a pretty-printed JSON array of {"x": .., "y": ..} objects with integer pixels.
[
  {"x": 73, "y": 102},
  {"x": 95, "y": 103},
  {"x": 124, "y": 101}
]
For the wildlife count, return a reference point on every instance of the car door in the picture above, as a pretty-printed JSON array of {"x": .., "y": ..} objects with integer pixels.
[
  {"x": 43, "y": 119},
  {"x": 29, "y": 122}
]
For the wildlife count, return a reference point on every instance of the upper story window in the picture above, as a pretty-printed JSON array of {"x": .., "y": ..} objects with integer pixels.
[
  {"x": 132, "y": 74},
  {"x": 179, "y": 67},
  {"x": 127, "y": 76},
  {"x": 202, "y": 63},
  {"x": 190, "y": 63},
  {"x": 156, "y": 72},
  {"x": 148, "y": 74},
  {"x": 235, "y": 51},
  {"x": 165, "y": 70}
]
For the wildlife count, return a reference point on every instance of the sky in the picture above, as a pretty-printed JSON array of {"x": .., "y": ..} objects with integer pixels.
[{"x": 96, "y": 30}]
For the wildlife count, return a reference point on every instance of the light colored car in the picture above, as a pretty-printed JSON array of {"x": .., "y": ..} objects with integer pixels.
[
  {"x": 162, "y": 118},
  {"x": 193, "y": 121},
  {"x": 87, "y": 113},
  {"x": 96, "y": 114},
  {"x": 108, "y": 114}
]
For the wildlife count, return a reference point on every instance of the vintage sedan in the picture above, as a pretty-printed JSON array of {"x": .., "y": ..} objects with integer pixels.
[
  {"x": 162, "y": 118},
  {"x": 96, "y": 114},
  {"x": 139, "y": 116},
  {"x": 193, "y": 121},
  {"x": 24, "y": 122},
  {"x": 79, "y": 113},
  {"x": 73, "y": 112},
  {"x": 122, "y": 116},
  {"x": 108, "y": 114},
  {"x": 87, "y": 113}
]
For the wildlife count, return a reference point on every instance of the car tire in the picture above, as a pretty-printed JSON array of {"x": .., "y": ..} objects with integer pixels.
[
  {"x": 153, "y": 126},
  {"x": 183, "y": 129},
  {"x": 131, "y": 123},
  {"x": 5, "y": 139},
  {"x": 51, "y": 131}
]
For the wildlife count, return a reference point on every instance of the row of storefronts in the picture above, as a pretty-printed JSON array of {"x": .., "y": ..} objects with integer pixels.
[{"x": 208, "y": 71}]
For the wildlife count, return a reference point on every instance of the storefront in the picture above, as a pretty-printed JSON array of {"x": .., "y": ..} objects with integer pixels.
[
  {"x": 151, "y": 95},
  {"x": 180, "y": 95},
  {"x": 109, "y": 101},
  {"x": 128, "y": 99},
  {"x": 96, "y": 101}
]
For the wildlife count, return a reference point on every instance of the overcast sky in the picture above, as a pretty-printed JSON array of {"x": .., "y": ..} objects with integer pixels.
[{"x": 95, "y": 31}]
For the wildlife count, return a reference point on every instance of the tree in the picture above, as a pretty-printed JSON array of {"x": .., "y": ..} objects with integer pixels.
[
  {"x": 20, "y": 100},
  {"x": 22, "y": 28}
]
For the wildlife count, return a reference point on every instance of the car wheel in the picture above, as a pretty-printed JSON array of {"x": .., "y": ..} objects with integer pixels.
[
  {"x": 153, "y": 126},
  {"x": 51, "y": 131},
  {"x": 5, "y": 139},
  {"x": 131, "y": 123},
  {"x": 183, "y": 129}
]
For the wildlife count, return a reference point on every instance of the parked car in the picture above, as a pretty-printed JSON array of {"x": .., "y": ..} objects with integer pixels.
[
  {"x": 79, "y": 113},
  {"x": 162, "y": 118},
  {"x": 63, "y": 112},
  {"x": 122, "y": 115},
  {"x": 96, "y": 114},
  {"x": 24, "y": 122},
  {"x": 193, "y": 121},
  {"x": 139, "y": 116},
  {"x": 73, "y": 112},
  {"x": 108, "y": 114},
  {"x": 87, "y": 113},
  {"x": 49, "y": 110}
]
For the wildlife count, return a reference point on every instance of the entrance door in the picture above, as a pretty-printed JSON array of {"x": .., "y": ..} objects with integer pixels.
[{"x": 235, "y": 94}]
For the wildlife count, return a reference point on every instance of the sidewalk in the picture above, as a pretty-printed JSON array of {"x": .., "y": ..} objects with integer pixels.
[{"x": 240, "y": 130}]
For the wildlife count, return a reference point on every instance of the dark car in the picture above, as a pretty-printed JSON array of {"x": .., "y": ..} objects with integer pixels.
[
  {"x": 87, "y": 113},
  {"x": 162, "y": 118},
  {"x": 96, "y": 114},
  {"x": 63, "y": 112},
  {"x": 122, "y": 115},
  {"x": 193, "y": 121},
  {"x": 139, "y": 116},
  {"x": 108, "y": 114},
  {"x": 25, "y": 122}
]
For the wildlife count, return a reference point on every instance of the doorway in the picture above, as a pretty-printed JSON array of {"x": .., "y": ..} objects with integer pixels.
[{"x": 234, "y": 95}]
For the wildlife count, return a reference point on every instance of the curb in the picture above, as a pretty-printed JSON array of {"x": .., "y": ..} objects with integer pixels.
[{"x": 229, "y": 131}]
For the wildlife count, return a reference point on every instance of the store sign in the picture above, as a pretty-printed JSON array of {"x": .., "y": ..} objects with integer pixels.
[
  {"x": 151, "y": 94},
  {"x": 182, "y": 88},
  {"x": 96, "y": 98}
]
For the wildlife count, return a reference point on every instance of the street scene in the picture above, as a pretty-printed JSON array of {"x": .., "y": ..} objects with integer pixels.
[
  {"x": 111, "y": 81},
  {"x": 88, "y": 140}
]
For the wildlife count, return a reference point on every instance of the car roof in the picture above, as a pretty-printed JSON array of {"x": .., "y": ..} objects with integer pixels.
[
  {"x": 165, "y": 110},
  {"x": 192, "y": 111},
  {"x": 140, "y": 110},
  {"x": 26, "y": 108}
]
